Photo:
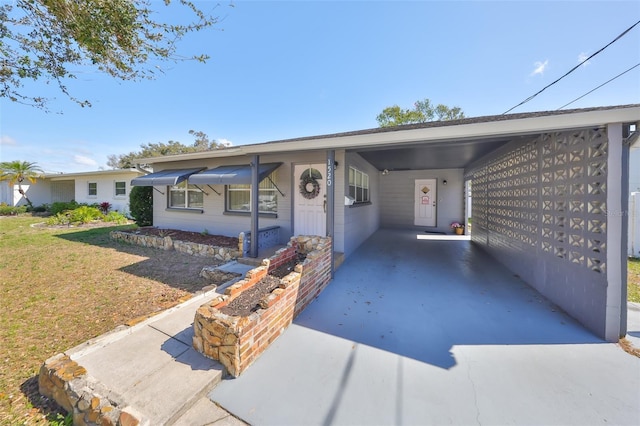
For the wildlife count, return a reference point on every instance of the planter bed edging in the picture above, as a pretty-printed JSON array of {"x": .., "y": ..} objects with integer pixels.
[
  {"x": 167, "y": 243},
  {"x": 237, "y": 341}
]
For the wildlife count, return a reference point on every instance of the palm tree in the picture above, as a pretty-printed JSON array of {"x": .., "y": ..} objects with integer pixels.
[{"x": 17, "y": 171}]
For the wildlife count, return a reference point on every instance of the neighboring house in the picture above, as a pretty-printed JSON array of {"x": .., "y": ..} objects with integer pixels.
[
  {"x": 543, "y": 187},
  {"x": 6, "y": 193},
  {"x": 112, "y": 186}
]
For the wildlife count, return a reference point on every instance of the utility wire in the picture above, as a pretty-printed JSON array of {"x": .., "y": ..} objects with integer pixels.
[
  {"x": 572, "y": 69},
  {"x": 606, "y": 82}
]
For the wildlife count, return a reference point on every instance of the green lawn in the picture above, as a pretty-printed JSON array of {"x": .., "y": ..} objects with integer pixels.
[
  {"x": 633, "y": 281},
  {"x": 62, "y": 286}
]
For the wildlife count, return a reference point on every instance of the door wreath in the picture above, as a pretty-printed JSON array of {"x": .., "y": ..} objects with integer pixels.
[{"x": 309, "y": 187}]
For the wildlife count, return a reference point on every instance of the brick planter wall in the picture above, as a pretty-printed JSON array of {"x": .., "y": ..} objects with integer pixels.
[
  {"x": 237, "y": 341},
  {"x": 167, "y": 243}
]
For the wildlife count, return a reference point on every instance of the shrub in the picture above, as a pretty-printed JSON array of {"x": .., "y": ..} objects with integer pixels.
[
  {"x": 58, "y": 219},
  {"x": 116, "y": 217},
  {"x": 104, "y": 207},
  {"x": 85, "y": 214},
  {"x": 6, "y": 210},
  {"x": 141, "y": 205},
  {"x": 60, "y": 206},
  {"x": 40, "y": 209}
]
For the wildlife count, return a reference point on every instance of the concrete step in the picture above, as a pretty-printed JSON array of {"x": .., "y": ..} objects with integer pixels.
[{"x": 205, "y": 412}]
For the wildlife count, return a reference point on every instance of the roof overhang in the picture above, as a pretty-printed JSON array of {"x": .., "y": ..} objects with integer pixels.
[
  {"x": 232, "y": 175},
  {"x": 95, "y": 173},
  {"x": 165, "y": 177},
  {"x": 500, "y": 127}
]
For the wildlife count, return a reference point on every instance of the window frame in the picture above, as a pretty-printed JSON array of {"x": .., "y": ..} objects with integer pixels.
[
  {"x": 115, "y": 189},
  {"x": 361, "y": 188},
  {"x": 95, "y": 189},
  {"x": 266, "y": 185},
  {"x": 185, "y": 188}
]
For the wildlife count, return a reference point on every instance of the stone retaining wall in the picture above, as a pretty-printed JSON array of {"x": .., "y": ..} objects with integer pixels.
[
  {"x": 167, "y": 243},
  {"x": 235, "y": 341},
  {"x": 68, "y": 383}
]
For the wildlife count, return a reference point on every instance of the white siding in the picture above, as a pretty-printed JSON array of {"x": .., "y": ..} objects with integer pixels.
[
  {"x": 359, "y": 221},
  {"x": 397, "y": 203}
]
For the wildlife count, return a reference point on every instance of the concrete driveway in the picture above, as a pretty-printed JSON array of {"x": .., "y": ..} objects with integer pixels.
[{"x": 418, "y": 331}]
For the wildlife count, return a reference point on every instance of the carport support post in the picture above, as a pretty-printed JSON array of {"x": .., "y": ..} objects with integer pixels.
[
  {"x": 331, "y": 197},
  {"x": 617, "y": 202},
  {"x": 255, "y": 167}
]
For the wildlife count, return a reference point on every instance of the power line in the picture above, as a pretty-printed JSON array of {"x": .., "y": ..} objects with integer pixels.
[
  {"x": 572, "y": 69},
  {"x": 606, "y": 82}
]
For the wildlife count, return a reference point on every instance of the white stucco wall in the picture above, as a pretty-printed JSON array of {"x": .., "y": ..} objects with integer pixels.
[
  {"x": 106, "y": 185},
  {"x": 39, "y": 193}
]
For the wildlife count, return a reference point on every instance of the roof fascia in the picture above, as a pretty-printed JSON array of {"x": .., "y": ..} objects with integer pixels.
[
  {"x": 67, "y": 176},
  {"x": 481, "y": 130}
]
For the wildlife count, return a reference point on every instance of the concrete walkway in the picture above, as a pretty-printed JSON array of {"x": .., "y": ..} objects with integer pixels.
[
  {"x": 420, "y": 331},
  {"x": 153, "y": 367}
]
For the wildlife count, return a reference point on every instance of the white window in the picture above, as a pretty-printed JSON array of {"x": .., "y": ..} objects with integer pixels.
[
  {"x": 93, "y": 189},
  {"x": 239, "y": 197},
  {"x": 185, "y": 196},
  {"x": 358, "y": 185},
  {"x": 121, "y": 189}
]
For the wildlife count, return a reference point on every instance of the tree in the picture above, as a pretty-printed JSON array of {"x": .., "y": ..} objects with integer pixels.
[
  {"x": 422, "y": 112},
  {"x": 202, "y": 143},
  {"x": 17, "y": 171},
  {"x": 51, "y": 39}
]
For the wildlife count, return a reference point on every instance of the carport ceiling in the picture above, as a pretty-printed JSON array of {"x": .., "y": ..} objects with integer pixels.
[{"x": 439, "y": 155}]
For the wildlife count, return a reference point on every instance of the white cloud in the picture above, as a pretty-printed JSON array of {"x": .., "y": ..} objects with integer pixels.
[
  {"x": 85, "y": 161},
  {"x": 583, "y": 56},
  {"x": 225, "y": 142},
  {"x": 7, "y": 140},
  {"x": 540, "y": 67}
]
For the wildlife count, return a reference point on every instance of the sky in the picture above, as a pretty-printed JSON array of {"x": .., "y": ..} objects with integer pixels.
[{"x": 280, "y": 70}]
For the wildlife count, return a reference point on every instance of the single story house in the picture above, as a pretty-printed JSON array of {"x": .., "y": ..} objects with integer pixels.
[
  {"x": 112, "y": 186},
  {"x": 548, "y": 192}
]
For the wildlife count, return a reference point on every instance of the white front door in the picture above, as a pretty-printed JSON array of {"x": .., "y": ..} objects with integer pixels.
[
  {"x": 425, "y": 202},
  {"x": 309, "y": 215}
]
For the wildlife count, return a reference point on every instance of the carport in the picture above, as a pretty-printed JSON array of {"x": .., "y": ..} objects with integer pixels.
[
  {"x": 419, "y": 328},
  {"x": 549, "y": 197}
]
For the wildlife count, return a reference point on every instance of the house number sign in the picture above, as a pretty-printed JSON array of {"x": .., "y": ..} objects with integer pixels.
[{"x": 329, "y": 173}]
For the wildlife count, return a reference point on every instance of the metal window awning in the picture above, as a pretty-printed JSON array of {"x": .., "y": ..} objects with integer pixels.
[
  {"x": 232, "y": 175},
  {"x": 165, "y": 177}
]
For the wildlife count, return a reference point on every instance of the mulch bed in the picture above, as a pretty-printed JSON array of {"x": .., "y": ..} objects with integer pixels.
[
  {"x": 194, "y": 237},
  {"x": 247, "y": 302}
]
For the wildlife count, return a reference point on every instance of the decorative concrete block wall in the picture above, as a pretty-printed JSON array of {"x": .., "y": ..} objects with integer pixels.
[
  {"x": 540, "y": 206},
  {"x": 237, "y": 341},
  {"x": 267, "y": 237}
]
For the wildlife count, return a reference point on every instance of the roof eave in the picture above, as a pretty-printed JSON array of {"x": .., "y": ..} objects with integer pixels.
[{"x": 476, "y": 130}]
